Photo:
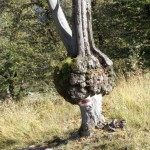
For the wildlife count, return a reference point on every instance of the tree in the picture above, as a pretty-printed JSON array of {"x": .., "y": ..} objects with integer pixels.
[{"x": 89, "y": 74}]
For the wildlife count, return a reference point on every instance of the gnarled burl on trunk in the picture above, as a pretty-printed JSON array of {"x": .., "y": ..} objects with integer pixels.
[{"x": 89, "y": 73}]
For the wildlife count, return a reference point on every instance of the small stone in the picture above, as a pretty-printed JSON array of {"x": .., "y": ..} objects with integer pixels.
[{"x": 32, "y": 147}]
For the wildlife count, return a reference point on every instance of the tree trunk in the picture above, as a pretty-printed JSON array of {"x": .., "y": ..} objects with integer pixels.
[
  {"x": 91, "y": 112},
  {"x": 92, "y": 60},
  {"x": 83, "y": 33}
]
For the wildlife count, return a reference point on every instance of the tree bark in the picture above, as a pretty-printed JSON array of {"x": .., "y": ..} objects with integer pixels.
[{"x": 91, "y": 112}]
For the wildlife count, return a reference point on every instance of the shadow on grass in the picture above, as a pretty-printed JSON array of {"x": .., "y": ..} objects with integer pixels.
[
  {"x": 9, "y": 143},
  {"x": 56, "y": 142}
]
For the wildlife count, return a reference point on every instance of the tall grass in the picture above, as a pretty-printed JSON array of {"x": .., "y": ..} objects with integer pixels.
[
  {"x": 131, "y": 100},
  {"x": 35, "y": 119},
  {"x": 39, "y": 117}
]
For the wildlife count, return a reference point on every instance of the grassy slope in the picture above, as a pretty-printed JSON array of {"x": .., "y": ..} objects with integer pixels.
[{"x": 39, "y": 118}]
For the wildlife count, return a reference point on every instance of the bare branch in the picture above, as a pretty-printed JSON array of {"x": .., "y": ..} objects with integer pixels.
[{"x": 62, "y": 26}]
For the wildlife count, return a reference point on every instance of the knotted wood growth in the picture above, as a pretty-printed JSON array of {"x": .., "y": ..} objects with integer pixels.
[
  {"x": 91, "y": 72},
  {"x": 83, "y": 77}
]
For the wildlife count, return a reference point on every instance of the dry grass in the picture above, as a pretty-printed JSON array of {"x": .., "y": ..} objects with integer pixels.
[
  {"x": 39, "y": 118},
  {"x": 35, "y": 119}
]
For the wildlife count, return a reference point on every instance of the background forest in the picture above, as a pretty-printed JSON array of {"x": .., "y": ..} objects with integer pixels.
[{"x": 30, "y": 49}]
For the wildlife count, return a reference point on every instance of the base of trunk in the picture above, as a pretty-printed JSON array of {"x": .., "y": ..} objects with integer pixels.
[{"x": 91, "y": 112}]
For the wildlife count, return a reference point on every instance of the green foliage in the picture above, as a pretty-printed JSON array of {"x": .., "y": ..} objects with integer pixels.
[
  {"x": 120, "y": 27},
  {"x": 28, "y": 50},
  {"x": 135, "y": 60}
]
